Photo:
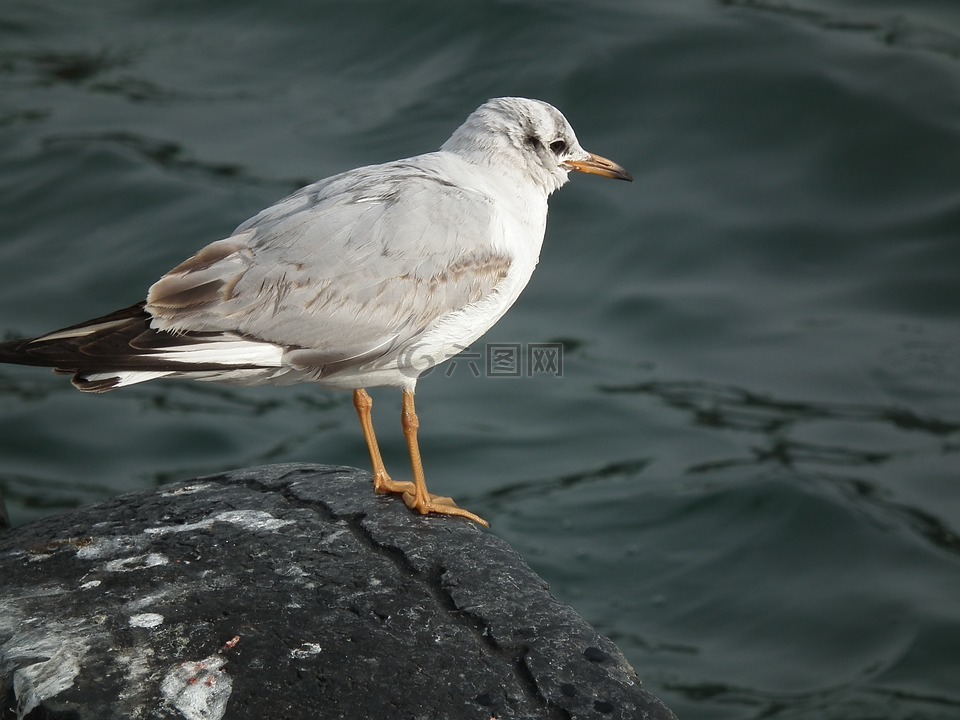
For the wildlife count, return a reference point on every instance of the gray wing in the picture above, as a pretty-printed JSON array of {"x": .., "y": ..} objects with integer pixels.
[{"x": 352, "y": 267}]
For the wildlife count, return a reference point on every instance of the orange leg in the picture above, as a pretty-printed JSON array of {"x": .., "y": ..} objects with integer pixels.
[
  {"x": 381, "y": 479},
  {"x": 414, "y": 494},
  {"x": 421, "y": 500}
]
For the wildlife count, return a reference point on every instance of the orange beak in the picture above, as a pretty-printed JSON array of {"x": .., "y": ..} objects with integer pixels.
[{"x": 598, "y": 165}]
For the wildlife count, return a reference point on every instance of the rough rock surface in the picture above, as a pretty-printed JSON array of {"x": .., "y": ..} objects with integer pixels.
[{"x": 289, "y": 591}]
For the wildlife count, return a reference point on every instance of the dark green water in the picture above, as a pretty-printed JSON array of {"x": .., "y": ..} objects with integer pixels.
[{"x": 747, "y": 475}]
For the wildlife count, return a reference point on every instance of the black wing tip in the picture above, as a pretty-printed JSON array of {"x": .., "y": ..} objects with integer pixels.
[
  {"x": 15, "y": 352},
  {"x": 70, "y": 349}
]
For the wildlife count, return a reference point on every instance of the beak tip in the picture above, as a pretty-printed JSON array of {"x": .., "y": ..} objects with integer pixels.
[{"x": 599, "y": 165}]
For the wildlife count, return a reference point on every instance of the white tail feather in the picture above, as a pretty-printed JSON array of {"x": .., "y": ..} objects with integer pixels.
[
  {"x": 126, "y": 377},
  {"x": 223, "y": 352},
  {"x": 80, "y": 331}
]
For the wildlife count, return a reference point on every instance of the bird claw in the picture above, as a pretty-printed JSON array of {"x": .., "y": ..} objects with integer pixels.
[
  {"x": 436, "y": 504},
  {"x": 440, "y": 506}
]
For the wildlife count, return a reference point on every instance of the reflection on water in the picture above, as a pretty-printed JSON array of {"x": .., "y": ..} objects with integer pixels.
[
  {"x": 543, "y": 487},
  {"x": 161, "y": 152},
  {"x": 747, "y": 475},
  {"x": 739, "y": 409},
  {"x": 49, "y": 495},
  {"x": 892, "y": 29},
  {"x": 735, "y": 409}
]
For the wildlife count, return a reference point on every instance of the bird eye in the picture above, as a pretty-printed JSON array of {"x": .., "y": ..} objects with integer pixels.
[{"x": 558, "y": 146}]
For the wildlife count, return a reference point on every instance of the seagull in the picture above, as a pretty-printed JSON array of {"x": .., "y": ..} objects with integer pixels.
[{"x": 364, "y": 279}]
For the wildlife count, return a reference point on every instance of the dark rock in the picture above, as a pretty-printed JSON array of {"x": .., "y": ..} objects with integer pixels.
[{"x": 289, "y": 592}]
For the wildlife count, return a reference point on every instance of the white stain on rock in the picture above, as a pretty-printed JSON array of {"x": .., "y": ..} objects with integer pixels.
[
  {"x": 186, "y": 490},
  {"x": 44, "y": 658},
  {"x": 35, "y": 683},
  {"x": 291, "y": 571},
  {"x": 137, "y": 664},
  {"x": 306, "y": 650},
  {"x": 198, "y": 689},
  {"x": 136, "y": 562},
  {"x": 138, "y": 604},
  {"x": 146, "y": 620},
  {"x": 104, "y": 547},
  {"x": 253, "y": 520}
]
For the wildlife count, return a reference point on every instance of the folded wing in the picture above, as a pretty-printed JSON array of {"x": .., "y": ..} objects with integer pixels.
[{"x": 341, "y": 273}]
